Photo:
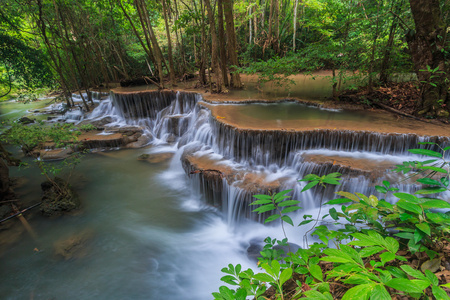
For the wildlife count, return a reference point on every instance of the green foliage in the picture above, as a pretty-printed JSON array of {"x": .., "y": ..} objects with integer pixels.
[
  {"x": 369, "y": 245},
  {"x": 34, "y": 137}
]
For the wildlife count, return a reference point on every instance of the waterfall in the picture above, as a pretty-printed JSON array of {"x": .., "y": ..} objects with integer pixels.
[{"x": 227, "y": 166}]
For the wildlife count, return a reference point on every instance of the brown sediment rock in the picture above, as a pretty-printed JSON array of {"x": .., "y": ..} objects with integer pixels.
[
  {"x": 352, "y": 166},
  {"x": 76, "y": 246},
  {"x": 55, "y": 154},
  {"x": 155, "y": 158},
  {"x": 57, "y": 200}
]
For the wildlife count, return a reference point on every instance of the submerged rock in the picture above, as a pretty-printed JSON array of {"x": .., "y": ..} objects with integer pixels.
[
  {"x": 75, "y": 246},
  {"x": 58, "y": 199},
  {"x": 155, "y": 158}
]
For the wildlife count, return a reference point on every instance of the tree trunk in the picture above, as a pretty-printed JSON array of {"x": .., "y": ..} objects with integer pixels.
[
  {"x": 295, "y": 25},
  {"x": 169, "y": 45},
  {"x": 427, "y": 46},
  {"x": 232, "y": 43},
  {"x": 222, "y": 44},
  {"x": 214, "y": 48}
]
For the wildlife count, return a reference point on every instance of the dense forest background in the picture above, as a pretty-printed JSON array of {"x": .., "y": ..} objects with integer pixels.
[{"x": 74, "y": 45}]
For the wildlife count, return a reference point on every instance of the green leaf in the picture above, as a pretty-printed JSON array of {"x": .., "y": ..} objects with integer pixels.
[
  {"x": 310, "y": 185},
  {"x": 432, "y": 278},
  {"x": 280, "y": 195},
  {"x": 425, "y": 228},
  {"x": 380, "y": 189},
  {"x": 407, "y": 197},
  {"x": 261, "y": 202},
  {"x": 241, "y": 294},
  {"x": 263, "y": 197},
  {"x": 286, "y": 274},
  {"x": 289, "y": 202},
  {"x": 405, "y": 285},
  {"x": 386, "y": 257},
  {"x": 263, "y": 277},
  {"x": 439, "y": 293},
  {"x": 391, "y": 244},
  {"x": 418, "y": 235},
  {"x": 425, "y": 152},
  {"x": 338, "y": 201},
  {"x": 360, "y": 292},
  {"x": 305, "y": 222},
  {"x": 265, "y": 208},
  {"x": 315, "y": 295},
  {"x": 290, "y": 209},
  {"x": 368, "y": 251},
  {"x": 380, "y": 293},
  {"x": 348, "y": 195},
  {"x": 431, "y": 190},
  {"x": 396, "y": 272},
  {"x": 435, "y": 169},
  {"x": 333, "y": 213},
  {"x": 428, "y": 181},
  {"x": 272, "y": 218},
  {"x": 410, "y": 207},
  {"x": 435, "y": 204},
  {"x": 316, "y": 272},
  {"x": 287, "y": 219},
  {"x": 412, "y": 272}
]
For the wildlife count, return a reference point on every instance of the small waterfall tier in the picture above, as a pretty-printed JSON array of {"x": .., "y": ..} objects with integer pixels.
[{"x": 228, "y": 162}]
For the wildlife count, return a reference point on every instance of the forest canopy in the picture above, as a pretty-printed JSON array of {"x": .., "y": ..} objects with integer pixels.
[{"x": 77, "y": 45}]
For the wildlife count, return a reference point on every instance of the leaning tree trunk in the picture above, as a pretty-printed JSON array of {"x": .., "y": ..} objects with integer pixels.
[{"x": 427, "y": 45}]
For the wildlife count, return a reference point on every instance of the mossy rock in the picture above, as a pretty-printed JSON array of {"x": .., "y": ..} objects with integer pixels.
[{"x": 58, "y": 198}]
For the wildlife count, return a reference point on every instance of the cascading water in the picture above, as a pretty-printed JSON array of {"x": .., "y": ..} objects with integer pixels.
[{"x": 239, "y": 163}]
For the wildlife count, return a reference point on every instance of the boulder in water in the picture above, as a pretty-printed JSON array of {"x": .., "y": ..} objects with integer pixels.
[{"x": 155, "y": 158}]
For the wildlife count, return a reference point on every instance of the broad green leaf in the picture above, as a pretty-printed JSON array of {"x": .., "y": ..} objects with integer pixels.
[
  {"x": 380, "y": 189},
  {"x": 425, "y": 152},
  {"x": 287, "y": 219},
  {"x": 271, "y": 218},
  {"x": 407, "y": 197},
  {"x": 316, "y": 272},
  {"x": 265, "y": 208},
  {"x": 428, "y": 181},
  {"x": 412, "y": 272},
  {"x": 241, "y": 294},
  {"x": 418, "y": 235},
  {"x": 357, "y": 279},
  {"x": 348, "y": 195},
  {"x": 315, "y": 295},
  {"x": 360, "y": 292},
  {"x": 261, "y": 202},
  {"x": 430, "y": 190},
  {"x": 380, "y": 293},
  {"x": 290, "y": 209},
  {"x": 263, "y": 277},
  {"x": 396, "y": 272},
  {"x": 263, "y": 197},
  {"x": 305, "y": 222},
  {"x": 439, "y": 293},
  {"x": 368, "y": 251},
  {"x": 386, "y": 257},
  {"x": 391, "y": 244},
  {"x": 405, "y": 285},
  {"x": 425, "y": 228},
  {"x": 431, "y": 277},
  {"x": 310, "y": 185},
  {"x": 435, "y": 204},
  {"x": 333, "y": 213},
  {"x": 410, "y": 207},
  {"x": 435, "y": 169},
  {"x": 286, "y": 274},
  {"x": 280, "y": 195},
  {"x": 289, "y": 202},
  {"x": 338, "y": 201}
]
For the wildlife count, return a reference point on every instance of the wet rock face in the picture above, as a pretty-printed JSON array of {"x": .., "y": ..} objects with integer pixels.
[{"x": 58, "y": 200}]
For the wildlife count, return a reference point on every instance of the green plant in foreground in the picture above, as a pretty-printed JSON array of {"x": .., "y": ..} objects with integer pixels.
[{"x": 369, "y": 245}]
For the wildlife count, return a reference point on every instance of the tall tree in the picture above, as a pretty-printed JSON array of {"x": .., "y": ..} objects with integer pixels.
[
  {"x": 429, "y": 52},
  {"x": 232, "y": 44}
]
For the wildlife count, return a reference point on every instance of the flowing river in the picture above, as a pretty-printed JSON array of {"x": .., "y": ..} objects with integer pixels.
[{"x": 163, "y": 231}]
